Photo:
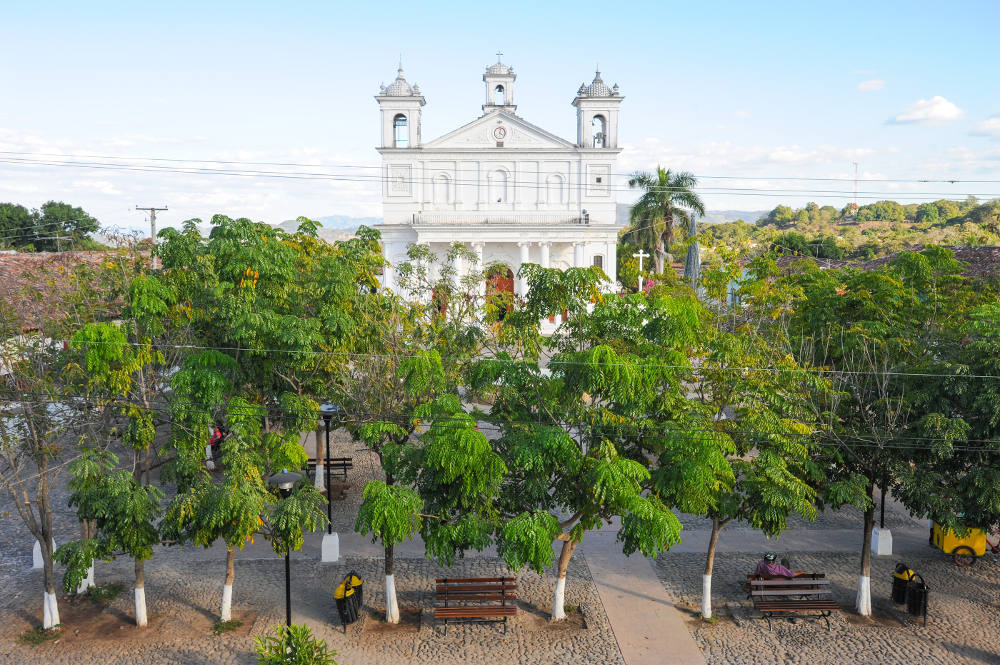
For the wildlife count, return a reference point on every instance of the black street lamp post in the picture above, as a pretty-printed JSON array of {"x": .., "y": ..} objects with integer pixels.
[
  {"x": 327, "y": 410},
  {"x": 285, "y": 481}
]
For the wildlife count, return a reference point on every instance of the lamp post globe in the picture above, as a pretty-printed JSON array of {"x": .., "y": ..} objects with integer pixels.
[{"x": 285, "y": 481}]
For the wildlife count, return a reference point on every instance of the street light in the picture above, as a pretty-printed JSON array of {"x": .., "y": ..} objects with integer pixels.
[
  {"x": 327, "y": 410},
  {"x": 285, "y": 481}
]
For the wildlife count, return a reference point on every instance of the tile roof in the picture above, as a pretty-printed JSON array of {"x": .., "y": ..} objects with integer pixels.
[
  {"x": 981, "y": 262},
  {"x": 34, "y": 283}
]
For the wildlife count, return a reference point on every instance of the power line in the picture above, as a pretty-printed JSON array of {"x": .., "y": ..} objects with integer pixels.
[
  {"x": 690, "y": 434},
  {"x": 428, "y": 180},
  {"x": 694, "y": 370},
  {"x": 371, "y": 166}
]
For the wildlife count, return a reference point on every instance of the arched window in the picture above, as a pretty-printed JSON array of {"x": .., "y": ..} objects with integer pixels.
[
  {"x": 442, "y": 189},
  {"x": 498, "y": 186},
  {"x": 554, "y": 190},
  {"x": 400, "y": 132},
  {"x": 499, "y": 97},
  {"x": 599, "y": 127}
]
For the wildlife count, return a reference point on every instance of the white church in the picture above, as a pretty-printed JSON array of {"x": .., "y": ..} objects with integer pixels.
[{"x": 509, "y": 190}]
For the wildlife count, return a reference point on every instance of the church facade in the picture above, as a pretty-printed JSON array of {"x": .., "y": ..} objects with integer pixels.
[{"x": 512, "y": 192}]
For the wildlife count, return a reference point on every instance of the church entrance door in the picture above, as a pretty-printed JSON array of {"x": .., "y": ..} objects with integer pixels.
[{"x": 500, "y": 289}]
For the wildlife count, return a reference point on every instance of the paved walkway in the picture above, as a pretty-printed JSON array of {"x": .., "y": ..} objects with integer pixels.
[{"x": 647, "y": 626}]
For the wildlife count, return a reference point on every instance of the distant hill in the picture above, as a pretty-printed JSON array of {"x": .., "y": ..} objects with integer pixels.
[
  {"x": 711, "y": 216},
  {"x": 335, "y": 227}
]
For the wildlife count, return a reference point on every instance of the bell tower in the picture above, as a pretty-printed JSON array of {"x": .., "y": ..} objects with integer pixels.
[
  {"x": 597, "y": 114},
  {"x": 400, "y": 104},
  {"x": 499, "y": 79}
]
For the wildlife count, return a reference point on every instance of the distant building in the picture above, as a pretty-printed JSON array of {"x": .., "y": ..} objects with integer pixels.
[{"x": 511, "y": 191}]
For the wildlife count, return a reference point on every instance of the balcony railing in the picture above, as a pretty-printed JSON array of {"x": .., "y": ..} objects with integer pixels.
[{"x": 489, "y": 218}]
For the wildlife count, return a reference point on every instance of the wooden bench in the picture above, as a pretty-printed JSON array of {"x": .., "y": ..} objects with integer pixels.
[
  {"x": 495, "y": 600},
  {"x": 338, "y": 466},
  {"x": 807, "y": 594}
]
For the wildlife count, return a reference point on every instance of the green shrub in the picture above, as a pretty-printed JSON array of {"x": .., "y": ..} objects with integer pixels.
[
  {"x": 221, "y": 627},
  {"x": 293, "y": 645}
]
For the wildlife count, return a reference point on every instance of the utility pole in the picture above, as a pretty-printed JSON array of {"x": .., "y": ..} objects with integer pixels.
[{"x": 152, "y": 228}]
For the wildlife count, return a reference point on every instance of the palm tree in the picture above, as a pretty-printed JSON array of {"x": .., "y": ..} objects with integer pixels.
[{"x": 667, "y": 200}]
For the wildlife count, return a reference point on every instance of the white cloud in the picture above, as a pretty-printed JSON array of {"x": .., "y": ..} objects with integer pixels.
[
  {"x": 934, "y": 111},
  {"x": 988, "y": 127},
  {"x": 871, "y": 84},
  {"x": 100, "y": 186},
  {"x": 742, "y": 113}
]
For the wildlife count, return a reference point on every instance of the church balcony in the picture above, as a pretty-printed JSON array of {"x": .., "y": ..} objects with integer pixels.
[{"x": 473, "y": 218}]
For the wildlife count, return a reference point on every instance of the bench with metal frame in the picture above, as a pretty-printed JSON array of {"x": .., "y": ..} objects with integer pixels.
[
  {"x": 338, "y": 466},
  {"x": 495, "y": 600},
  {"x": 807, "y": 594}
]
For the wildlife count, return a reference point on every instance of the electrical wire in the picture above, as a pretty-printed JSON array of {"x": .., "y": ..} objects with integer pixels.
[
  {"x": 381, "y": 178},
  {"x": 371, "y": 166}
]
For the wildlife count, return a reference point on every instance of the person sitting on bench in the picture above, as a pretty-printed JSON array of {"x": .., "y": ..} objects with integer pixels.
[{"x": 770, "y": 569}]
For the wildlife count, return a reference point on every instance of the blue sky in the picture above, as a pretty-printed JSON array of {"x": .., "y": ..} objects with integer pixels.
[{"x": 757, "y": 90}]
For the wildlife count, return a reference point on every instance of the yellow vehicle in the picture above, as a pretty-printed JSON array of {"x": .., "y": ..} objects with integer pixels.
[{"x": 963, "y": 550}]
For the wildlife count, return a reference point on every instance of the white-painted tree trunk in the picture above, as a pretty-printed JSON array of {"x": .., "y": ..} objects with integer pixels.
[
  {"x": 227, "y": 603},
  {"x": 37, "y": 562},
  {"x": 706, "y": 596},
  {"x": 87, "y": 582},
  {"x": 391, "y": 605},
  {"x": 559, "y": 600},
  {"x": 319, "y": 481},
  {"x": 140, "y": 607},
  {"x": 50, "y": 611},
  {"x": 209, "y": 464},
  {"x": 864, "y": 602}
]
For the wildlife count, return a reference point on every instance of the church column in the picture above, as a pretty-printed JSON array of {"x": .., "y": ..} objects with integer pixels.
[
  {"x": 611, "y": 263},
  {"x": 522, "y": 284},
  {"x": 477, "y": 247},
  {"x": 545, "y": 253},
  {"x": 388, "y": 271}
]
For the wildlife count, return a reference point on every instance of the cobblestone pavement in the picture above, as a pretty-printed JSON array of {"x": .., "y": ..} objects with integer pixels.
[
  {"x": 183, "y": 592},
  {"x": 183, "y": 602},
  {"x": 963, "y": 626}
]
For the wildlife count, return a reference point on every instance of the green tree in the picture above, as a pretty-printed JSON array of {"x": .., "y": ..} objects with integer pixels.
[
  {"x": 873, "y": 328},
  {"x": 667, "y": 200},
  {"x": 577, "y": 438},
  {"x": 927, "y": 213},
  {"x": 756, "y": 401},
  {"x": 18, "y": 225}
]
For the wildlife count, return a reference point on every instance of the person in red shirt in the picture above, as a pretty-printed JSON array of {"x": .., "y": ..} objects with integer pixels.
[{"x": 770, "y": 569}]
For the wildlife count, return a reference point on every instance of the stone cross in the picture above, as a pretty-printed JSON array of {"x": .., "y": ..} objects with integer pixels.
[{"x": 641, "y": 255}]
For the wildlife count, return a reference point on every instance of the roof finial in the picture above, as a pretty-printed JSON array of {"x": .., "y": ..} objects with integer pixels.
[
  {"x": 499, "y": 53},
  {"x": 598, "y": 70},
  {"x": 400, "y": 64}
]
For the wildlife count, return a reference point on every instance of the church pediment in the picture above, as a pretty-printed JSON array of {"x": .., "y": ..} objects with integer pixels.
[{"x": 494, "y": 128}]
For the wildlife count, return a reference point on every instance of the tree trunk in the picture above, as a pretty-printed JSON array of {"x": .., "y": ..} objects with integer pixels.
[
  {"x": 864, "y": 599},
  {"x": 391, "y": 605},
  {"x": 559, "y": 597},
  {"x": 50, "y": 607},
  {"x": 87, "y": 529},
  {"x": 140, "y": 593},
  {"x": 706, "y": 579},
  {"x": 227, "y": 589}
]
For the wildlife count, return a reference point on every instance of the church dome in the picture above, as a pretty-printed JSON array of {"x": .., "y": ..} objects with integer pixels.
[
  {"x": 598, "y": 88},
  {"x": 499, "y": 68},
  {"x": 399, "y": 87}
]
